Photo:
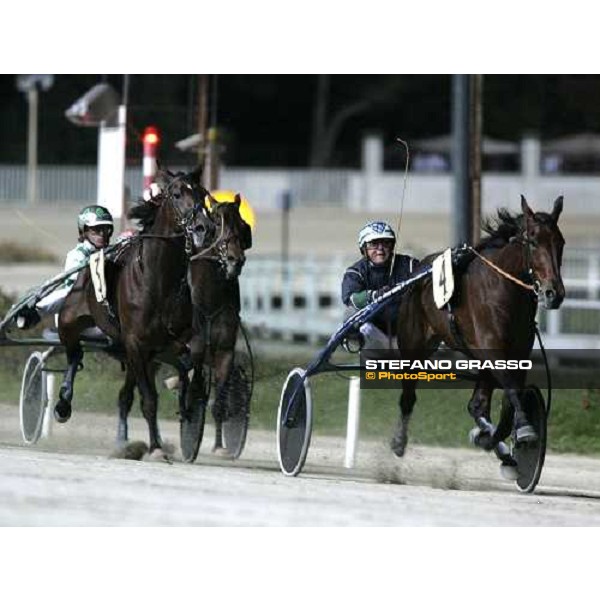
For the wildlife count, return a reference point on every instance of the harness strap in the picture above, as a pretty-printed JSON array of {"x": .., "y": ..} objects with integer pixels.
[{"x": 459, "y": 340}]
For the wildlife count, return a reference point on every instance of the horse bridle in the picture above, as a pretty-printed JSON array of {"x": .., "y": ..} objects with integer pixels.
[
  {"x": 523, "y": 239},
  {"x": 186, "y": 222},
  {"x": 219, "y": 244},
  {"x": 529, "y": 244},
  {"x": 183, "y": 220}
]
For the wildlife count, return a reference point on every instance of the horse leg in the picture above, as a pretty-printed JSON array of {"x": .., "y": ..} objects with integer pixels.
[
  {"x": 486, "y": 435},
  {"x": 126, "y": 395},
  {"x": 512, "y": 383},
  {"x": 62, "y": 409},
  {"x": 144, "y": 370},
  {"x": 223, "y": 366},
  {"x": 524, "y": 432},
  {"x": 184, "y": 384},
  {"x": 479, "y": 408},
  {"x": 407, "y": 403},
  {"x": 508, "y": 468}
]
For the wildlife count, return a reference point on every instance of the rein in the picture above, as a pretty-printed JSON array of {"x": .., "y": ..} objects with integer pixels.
[
  {"x": 220, "y": 238},
  {"x": 489, "y": 263},
  {"x": 161, "y": 237}
]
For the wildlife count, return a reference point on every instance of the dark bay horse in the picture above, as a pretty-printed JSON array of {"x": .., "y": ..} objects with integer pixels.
[
  {"x": 213, "y": 277},
  {"x": 155, "y": 295},
  {"x": 490, "y": 313},
  {"x": 149, "y": 309}
]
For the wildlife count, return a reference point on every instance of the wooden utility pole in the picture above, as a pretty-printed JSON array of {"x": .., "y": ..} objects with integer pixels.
[
  {"x": 476, "y": 141},
  {"x": 202, "y": 118},
  {"x": 460, "y": 159},
  {"x": 213, "y": 142},
  {"x": 208, "y": 148},
  {"x": 467, "y": 126}
]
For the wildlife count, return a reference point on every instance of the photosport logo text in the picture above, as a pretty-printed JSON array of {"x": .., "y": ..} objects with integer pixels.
[
  {"x": 381, "y": 369},
  {"x": 566, "y": 369}
]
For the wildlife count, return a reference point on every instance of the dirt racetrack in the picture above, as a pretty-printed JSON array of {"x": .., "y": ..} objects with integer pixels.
[{"x": 69, "y": 480}]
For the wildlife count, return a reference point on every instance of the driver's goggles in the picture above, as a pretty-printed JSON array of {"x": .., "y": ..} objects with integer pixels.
[
  {"x": 380, "y": 244},
  {"x": 101, "y": 229}
]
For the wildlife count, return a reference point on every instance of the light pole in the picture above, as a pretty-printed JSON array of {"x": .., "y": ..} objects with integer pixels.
[
  {"x": 32, "y": 142},
  {"x": 30, "y": 85}
]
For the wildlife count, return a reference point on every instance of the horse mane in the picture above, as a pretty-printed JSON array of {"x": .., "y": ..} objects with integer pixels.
[
  {"x": 144, "y": 212},
  {"x": 500, "y": 229}
]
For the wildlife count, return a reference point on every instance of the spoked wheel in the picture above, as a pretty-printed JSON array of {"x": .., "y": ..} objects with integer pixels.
[
  {"x": 239, "y": 394},
  {"x": 33, "y": 398},
  {"x": 191, "y": 425},
  {"x": 530, "y": 456},
  {"x": 294, "y": 422}
]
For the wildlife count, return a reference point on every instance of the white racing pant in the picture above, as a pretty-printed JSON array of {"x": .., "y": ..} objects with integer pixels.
[
  {"x": 53, "y": 302},
  {"x": 375, "y": 339}
]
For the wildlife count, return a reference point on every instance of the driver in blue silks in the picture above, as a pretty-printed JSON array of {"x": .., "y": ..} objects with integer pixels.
[{"x": 370, "y": 277}]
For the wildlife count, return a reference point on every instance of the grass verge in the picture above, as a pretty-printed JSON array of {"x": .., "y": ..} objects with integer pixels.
[
  {"x": 11, "y": 252},
  {"x": 440, "y": 417}
]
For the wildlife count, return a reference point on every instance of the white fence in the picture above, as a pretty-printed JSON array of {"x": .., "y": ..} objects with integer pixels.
[
  {"x": 60, "y": 183},
  {"x": 302, "y": 302},
  {"x": 352, "y": 190}
]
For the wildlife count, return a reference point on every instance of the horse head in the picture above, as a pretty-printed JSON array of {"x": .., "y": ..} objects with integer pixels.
[
  {"x": 545, "y": 245},
  {"x": 181, "y": 203},
  {"x": 233, "y": 235}
]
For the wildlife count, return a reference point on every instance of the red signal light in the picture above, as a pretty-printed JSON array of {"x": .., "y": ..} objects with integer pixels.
[{"x": 151, "y": 136}]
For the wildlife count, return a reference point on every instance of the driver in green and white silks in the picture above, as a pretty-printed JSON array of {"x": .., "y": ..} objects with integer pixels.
[{"x": 95, "y": 226}]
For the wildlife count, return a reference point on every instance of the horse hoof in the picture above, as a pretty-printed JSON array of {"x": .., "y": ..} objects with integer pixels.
[
  {"x": 65, "y": 394},
  {"x": 62, "y": 412},
  {"x": 474, "y": 436},
  {"x": 159, "y": 455},
  {"x": 222, "y": 452},
  {"x": 481, "y": 439},
  {"x": 526, "y": 435},
  {"x": 131, "y": 451},
  {"x": 398, "y": 447},
  {"x": 509, "y": 472}
]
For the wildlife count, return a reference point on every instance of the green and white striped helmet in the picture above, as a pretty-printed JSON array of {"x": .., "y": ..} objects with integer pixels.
[{"x": 92, "y": 216}]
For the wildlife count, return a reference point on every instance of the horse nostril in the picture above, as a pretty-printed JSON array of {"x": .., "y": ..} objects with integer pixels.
[{"x": 550, "y": 294}]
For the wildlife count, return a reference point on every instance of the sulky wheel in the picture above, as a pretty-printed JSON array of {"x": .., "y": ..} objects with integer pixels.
[
  {"x": 239, "y": 394},
  {"x": 191, "y": 423},
  {"x": 33, "y": 398},
  {"x": 294, "y": 422},
  {"x": 530, "y": 456}
]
